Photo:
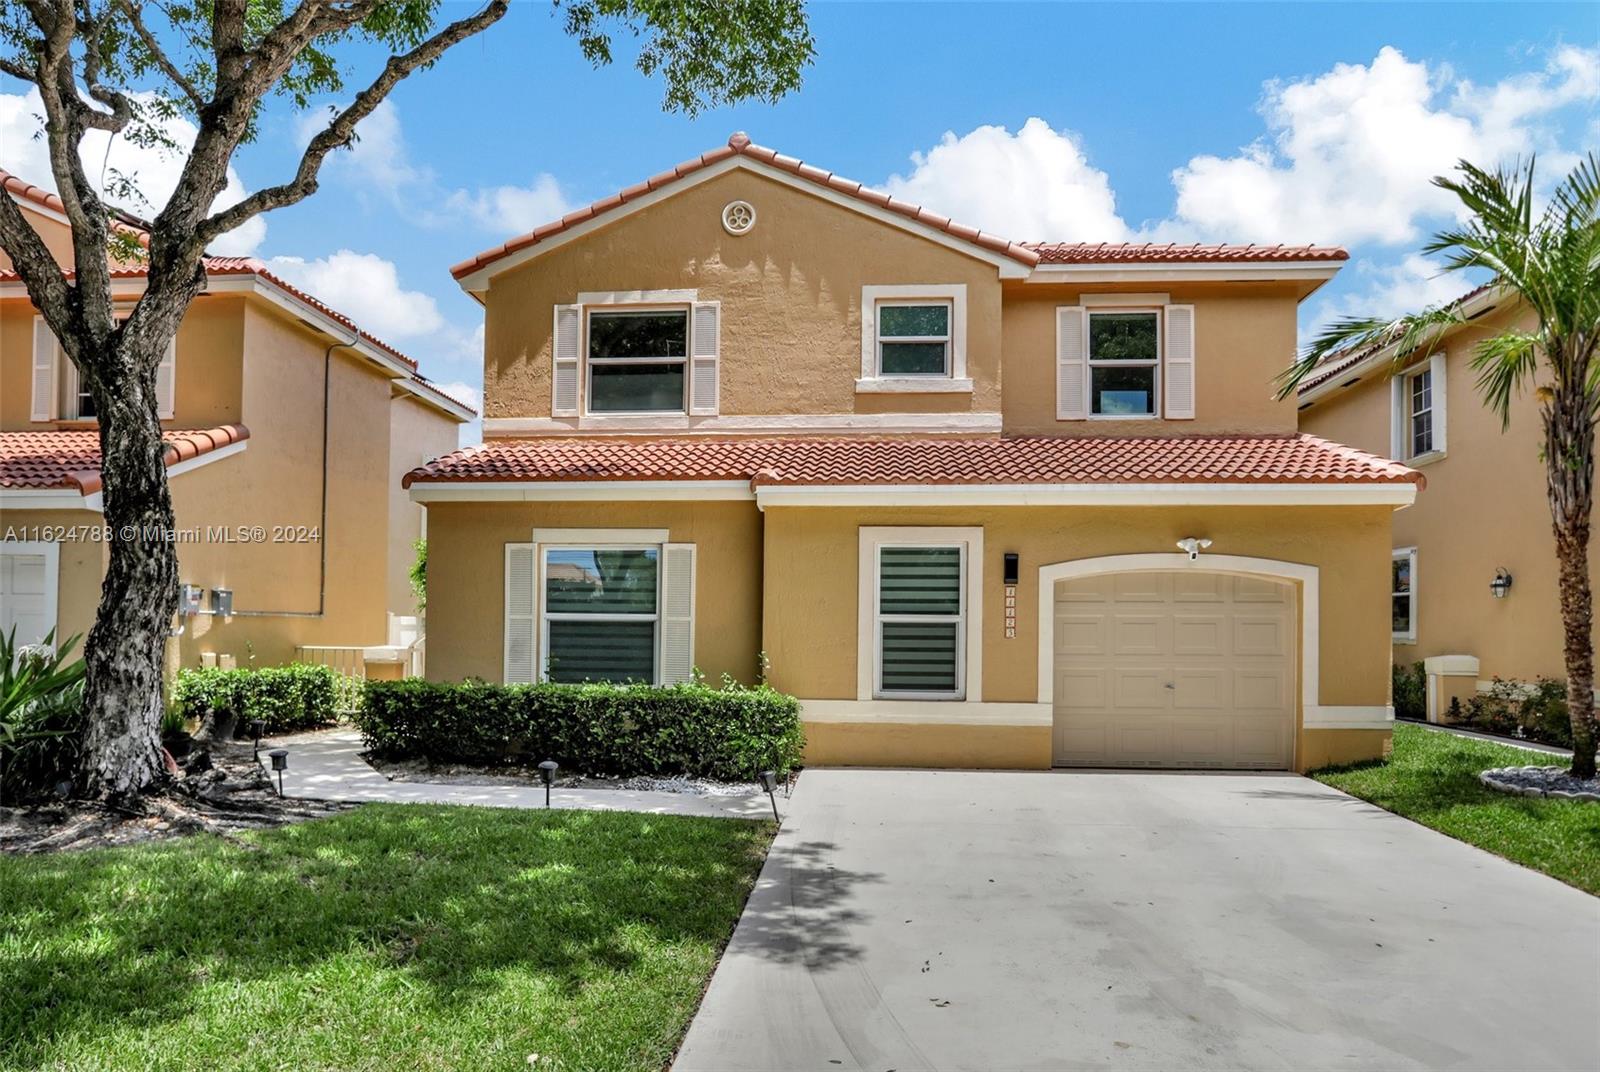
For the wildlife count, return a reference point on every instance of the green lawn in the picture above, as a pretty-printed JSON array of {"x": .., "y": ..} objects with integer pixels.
[
  {"x": 390, "y": 938},
  {"x": 1433, "y": 779}
]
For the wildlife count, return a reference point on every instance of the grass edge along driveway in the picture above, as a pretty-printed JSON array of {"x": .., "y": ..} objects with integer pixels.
[
  {"x": 1432, "y": 779},
  {"x": 391, "y": 937}
]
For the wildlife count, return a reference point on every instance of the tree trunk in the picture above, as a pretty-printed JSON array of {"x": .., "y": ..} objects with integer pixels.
[
  {"x": 1569, "y": 469},
  {"x": 125, "y": 649}
]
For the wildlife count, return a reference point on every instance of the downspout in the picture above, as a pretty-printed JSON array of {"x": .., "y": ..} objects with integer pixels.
[{"x": 322, "y": 523}]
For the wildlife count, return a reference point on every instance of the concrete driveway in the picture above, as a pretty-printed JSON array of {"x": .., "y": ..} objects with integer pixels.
[{"x": 973, "y": 920}]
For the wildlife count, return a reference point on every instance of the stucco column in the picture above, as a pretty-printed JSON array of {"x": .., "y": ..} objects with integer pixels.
[{"x": 1450, "y": 677}]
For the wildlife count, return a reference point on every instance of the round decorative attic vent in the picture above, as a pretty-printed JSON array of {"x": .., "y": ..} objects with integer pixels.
[{"x": 738, "y": 217}]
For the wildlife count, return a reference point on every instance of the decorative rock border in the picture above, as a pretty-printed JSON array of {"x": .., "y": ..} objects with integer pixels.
[{"x": 1540, "y": 782}]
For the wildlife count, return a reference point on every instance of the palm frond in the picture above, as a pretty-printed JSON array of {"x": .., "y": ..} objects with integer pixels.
[
  {"x": 1504, "y": 362},
  {"x": 1352, "y": 335}
]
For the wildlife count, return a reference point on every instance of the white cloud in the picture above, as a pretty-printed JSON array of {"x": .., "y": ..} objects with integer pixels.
[
  {"x": 155, "y": 170},
  {"x": 1034, "y": 184},
  {"x": 513, "y": 208},
  {"x": 1350, "y": 153},
  {"x": 367, "y": 289},
  {"x": 463, "y": 392},
  {"x": 1388, "y": 289},
  {"x": 380, "y": 161}
]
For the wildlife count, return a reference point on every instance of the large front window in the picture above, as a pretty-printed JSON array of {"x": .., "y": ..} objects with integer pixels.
[
  {"x": 600, "y": 614},
  {"x": 637, "y": 359},
  {"x": 1403, "y": 594},
  {"x": 921, "y": 610},
  {"x": 1124, "y": 355}
]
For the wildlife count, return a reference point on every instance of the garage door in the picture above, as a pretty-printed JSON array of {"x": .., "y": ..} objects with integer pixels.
[
  {"x": 1182, "y": 669},
  {"x": 25, "y": 597}
]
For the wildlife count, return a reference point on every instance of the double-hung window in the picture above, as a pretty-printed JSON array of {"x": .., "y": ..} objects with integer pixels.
[
  {"x": 637, "y": 360},
  {"x": 1124, "y": 362},
  {"x": 914, "y": 338},
  {"x": 920, "y": 620},
  {"x": 1403, "y": 595},
  {"x": 1419, "y": 415},
  {"x": 601, "y": 613}
]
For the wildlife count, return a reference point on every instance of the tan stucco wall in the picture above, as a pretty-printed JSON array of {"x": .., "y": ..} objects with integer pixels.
[
  {"x": 466, "y": 576},
  {"x": 209, "y": 389},
  {"x": 1244, "y": 336},
  {"x": 790, "y": 293},
  {"x": 1484, "y": 507},
  {"x": 57, "y": 236},
  {"x": 846, "y": 744},
  {"x": 812, "y": 593},
  {"x": 417, "y": 435}
]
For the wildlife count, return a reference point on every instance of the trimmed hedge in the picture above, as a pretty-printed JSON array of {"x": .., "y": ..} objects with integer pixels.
[
  {"x": 295, "y": 697},
  {"x": 729, "y": 734}
]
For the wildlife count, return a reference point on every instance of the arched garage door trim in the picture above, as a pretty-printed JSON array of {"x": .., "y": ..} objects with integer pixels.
[{"x": 1305, "y": 576}]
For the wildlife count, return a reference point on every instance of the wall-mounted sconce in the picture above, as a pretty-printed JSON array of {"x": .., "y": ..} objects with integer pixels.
[
  {"x": 189, "y": 599},
  {"x": 1012, "y": 567},
  {"x": 222, "y": 602},
  {"x": 1012, "y": 559},
  {"x": 1192, "y": 546},
  {"x": 1501, "y": 583}
]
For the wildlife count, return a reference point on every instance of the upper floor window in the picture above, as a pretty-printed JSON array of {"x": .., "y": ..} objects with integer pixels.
[
  {"x": 638, "y": 360},
  {"x": 1124, "y": 363},
  {"x": 1421, "y": 416},
  {"x": 58, "y": 393},
  {"x": 1418, "y": 420},
  {"x": 914, "y": 338}
]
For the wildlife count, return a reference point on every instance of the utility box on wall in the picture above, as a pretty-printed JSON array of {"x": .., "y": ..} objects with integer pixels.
[
  {"x": 189, "y": 600},
  {"x": 222, "y": 601}
]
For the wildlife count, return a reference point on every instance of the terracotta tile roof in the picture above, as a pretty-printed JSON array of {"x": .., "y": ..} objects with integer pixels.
[
  {"x": 1150, "y": 252},
  {"x": 1026, "y": 253},
  {"x": 847, "y": 460},
  {"x": 1342, "y": 360},
  {"x": 27, "y": 191},
  {"x": 71, "y": 459}
]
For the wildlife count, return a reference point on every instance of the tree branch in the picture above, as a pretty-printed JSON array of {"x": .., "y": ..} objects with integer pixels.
[
  {"x": 47, "y": 286},
  {"x": 159, "y": 54},
  {"x": 90, "y": 27},
  {"x": 341, "y": 130}
]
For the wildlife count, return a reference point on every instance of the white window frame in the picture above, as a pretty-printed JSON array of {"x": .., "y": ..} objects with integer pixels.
[
  {"x": 64, "y": 374},
  {"x": 1422, "y": 380},
  {"x": 51, "y": 550},
  {"x": 1090, "y": 364},
  {"x": 1409, "y": 554},
  {"x": 874, "y": 380},
  {"x": 543, "y": 617},
  {"x": 969, "y": 652},
  {"x": 1402, "y": 417},
  {"x": 604, "y": 309}
]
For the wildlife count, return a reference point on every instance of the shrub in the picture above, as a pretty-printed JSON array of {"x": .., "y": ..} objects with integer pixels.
[
  {"x": 1410, "y": 691},
  {"x": 1537, "y": 712},
  {"x": 730, "y": 733},
  {"x": 41, "y": 715},
  {"x": 295, "y": 697}
]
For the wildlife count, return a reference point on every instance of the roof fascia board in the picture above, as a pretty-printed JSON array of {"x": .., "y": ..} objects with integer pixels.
[
  {"x": 582, "y": 491},
  {"x": 250, "y": 283},
  {"x": 1183, "y": 271},
  {"x": 49, "y": 499},
  {"x": 437, "y": 399},
  {"x": 478, "y": 281},
  {"x": 198, "y": 461},
  {"x": 1107, "y": 494},
  {"x": 1333, "y": 384}
]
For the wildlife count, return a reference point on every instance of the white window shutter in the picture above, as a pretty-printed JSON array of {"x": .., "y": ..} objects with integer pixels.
[
  {"x": 1072, "y": 388},
  {"x": 677, "y": 613},
  {"x": 1179, "y": 371},
  {"x": 565, "y": 346},
  {"x": 167, "y": 382},
  {"x": 1436, "y": 365},
  {"x": 703, "y": 350},
  {"x": 520, "y": 650},
  {"x": 45, "y": 355},
  {"x": 1397, "y": 418}
]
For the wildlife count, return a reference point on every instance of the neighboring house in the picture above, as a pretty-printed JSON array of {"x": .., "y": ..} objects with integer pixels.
[
  {"x": 1474, "y": 581},
  {"x": 938, "y": 480},
  {"x": 288, "y": 428}
]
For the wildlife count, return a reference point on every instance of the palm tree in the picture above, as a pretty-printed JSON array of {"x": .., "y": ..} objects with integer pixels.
[{"x": 1550, "y": 260}]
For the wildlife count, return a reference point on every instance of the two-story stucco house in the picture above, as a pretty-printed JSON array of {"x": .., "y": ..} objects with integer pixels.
[
  {"x": 1475, "y": 591},
  {"x": 976, "y": 503},
  {"x": 288, "y": 430}
]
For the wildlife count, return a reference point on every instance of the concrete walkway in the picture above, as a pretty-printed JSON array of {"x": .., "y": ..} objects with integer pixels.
[
  {"x": 327, "y": 765},
  {"x": 916, "y": 920}
]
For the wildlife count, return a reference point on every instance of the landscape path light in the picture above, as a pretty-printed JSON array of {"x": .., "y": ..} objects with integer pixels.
[
  {"x": 280, "y": 763},
  {"x": 258, "y": 727},
  {"x": 769, "y": 786},
  {"x": 547, "y": 774}
]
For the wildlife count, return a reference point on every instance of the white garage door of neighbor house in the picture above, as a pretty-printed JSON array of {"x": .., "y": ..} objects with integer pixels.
[
  {"x": 25, "y": 596},
  {"x": 1182, "y": 669}
]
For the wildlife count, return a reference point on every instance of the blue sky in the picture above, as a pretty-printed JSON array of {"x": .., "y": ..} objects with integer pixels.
[{"x": 1248, "y": 122}]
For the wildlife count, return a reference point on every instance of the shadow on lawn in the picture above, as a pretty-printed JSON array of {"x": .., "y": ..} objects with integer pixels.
[{"x": 449, "y": 897}]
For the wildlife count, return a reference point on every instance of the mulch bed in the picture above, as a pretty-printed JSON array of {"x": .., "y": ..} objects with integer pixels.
[{"x": 220, "y": 791}]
